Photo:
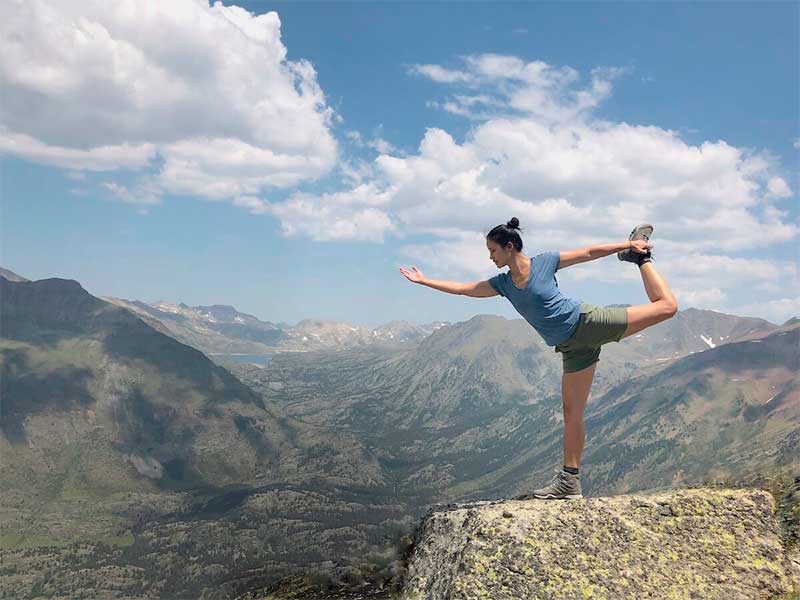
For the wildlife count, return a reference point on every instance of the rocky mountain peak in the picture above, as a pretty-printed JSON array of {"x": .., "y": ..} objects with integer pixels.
[{"x": 10, "y": 275}]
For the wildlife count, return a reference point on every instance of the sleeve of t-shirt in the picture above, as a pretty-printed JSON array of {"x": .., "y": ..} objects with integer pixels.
[
  {"x": 550, "y": 262},
  {"x": 497, "y": 283}
]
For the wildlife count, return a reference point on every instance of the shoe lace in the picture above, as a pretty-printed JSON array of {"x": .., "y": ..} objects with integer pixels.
[{"x": 556, "y": 477}]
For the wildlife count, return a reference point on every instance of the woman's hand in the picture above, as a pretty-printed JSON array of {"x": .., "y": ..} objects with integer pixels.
[
  {"x": 640, "y": 246},
  {"x": 414, "y": 275}
]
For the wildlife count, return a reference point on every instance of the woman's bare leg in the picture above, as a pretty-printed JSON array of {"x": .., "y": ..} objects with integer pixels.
[
  {"x": 574, "y": 394},
  {"x": 663, "y": 304}
]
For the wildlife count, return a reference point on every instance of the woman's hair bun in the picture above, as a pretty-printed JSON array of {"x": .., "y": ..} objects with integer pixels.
[{"x": 503, "y": 235}]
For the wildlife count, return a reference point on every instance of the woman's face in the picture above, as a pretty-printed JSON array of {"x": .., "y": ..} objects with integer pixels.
[{"x": 496, "y": 254}]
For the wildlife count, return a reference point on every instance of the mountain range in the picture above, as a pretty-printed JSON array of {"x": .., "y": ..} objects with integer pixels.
[
  {"x": 118, "y": 435},
  {"x": 222, "y": 330}
]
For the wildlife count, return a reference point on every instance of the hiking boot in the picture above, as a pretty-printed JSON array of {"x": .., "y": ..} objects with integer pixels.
[
  {"x": 563, "y": 485},
  {"x": 630, "y": 255},
  {"x": 640, "y": 232}
]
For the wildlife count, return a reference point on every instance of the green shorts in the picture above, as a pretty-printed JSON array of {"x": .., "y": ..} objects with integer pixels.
[{"x": 597, "y": 326}]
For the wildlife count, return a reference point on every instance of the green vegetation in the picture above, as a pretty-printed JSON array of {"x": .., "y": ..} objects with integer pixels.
[
  {"x": 131, "y": 460},
  {"x": 785, "y": 489},
  {"x": 16, "y": 541}
]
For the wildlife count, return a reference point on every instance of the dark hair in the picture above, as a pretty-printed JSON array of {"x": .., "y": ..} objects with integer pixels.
[{"x": 502, "y": 234}]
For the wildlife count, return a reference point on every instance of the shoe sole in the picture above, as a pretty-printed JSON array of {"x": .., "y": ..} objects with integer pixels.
[
  {"x": 635, "y": 236},
  {"x": 639, "y": 229},
  {"x": 552, "y": 497}
]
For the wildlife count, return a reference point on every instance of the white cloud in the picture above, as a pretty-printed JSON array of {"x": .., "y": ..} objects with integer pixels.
[
  {"x": 355, "y": 215},
  {"x": 778, "y": 187},
  {"x": 689, "y": 272},
  {"x": 458, "y": 251},
  {"x": 226, "y": 167},
  {"x": 537, "y": 152},
  {"x": 776, "y": 311},
  {"x": 99, "y": 158},
  {"x": 206, "y": 97},
  {"x": 355, "y": 136},
  {"x": 729, "y": 271},
  {"x": 144, "y": 194},
  {"x": 377, "y": 142},
  {"x": 255, "y": 205},
  {"x": 440, "y": 74},
  {"x": 498, "y": 84},
  {"x": 100, "y": 86},
  {"x": 381, "y": 145},
  {"x": 584, "y": 181},
  {"x": 356, "y": 171},
  {"x": 700, "y": 297},
  {"x": 796, "y": 143}
]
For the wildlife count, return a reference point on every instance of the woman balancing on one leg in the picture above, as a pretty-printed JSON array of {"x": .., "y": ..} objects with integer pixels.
[{"x": 575, "y": 328}]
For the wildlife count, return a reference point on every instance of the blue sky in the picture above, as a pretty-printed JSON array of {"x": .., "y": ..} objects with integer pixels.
[{"x": 424, "y": 125}]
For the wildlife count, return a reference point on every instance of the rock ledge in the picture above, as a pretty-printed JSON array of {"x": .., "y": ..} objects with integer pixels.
[{"x": 698, "y": 543}]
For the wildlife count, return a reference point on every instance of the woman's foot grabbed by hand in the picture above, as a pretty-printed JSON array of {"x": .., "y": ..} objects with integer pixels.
[
  {"x": 635, "y": 257},
  {"x": 639, "y": 251}
]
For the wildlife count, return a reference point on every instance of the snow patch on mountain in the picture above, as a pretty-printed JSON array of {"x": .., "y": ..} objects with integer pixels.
[{"x": 708, "y": 341}]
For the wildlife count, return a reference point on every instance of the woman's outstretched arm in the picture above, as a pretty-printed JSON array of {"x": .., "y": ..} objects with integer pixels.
[
  {"x": 601, "y": 250},
  {"x": 568, "y": 258},
  {"x": 416, "y": 276},
  {"x": 480, "y": 289}
]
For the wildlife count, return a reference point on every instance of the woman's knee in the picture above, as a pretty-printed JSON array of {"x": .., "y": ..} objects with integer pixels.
[
  {"x": 643, "y": 316},
  {"x": 665, "y": 309},
  {"x": 573, "y": 414},
  {"x": 672, "y": 307}
]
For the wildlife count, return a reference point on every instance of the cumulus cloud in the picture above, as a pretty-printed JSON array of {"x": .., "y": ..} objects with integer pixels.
[
  {"x": 205, "y": 98},
  {"x": 707, "y": 298},
  {"x": 100, "y": 158},
  {"x": 537, "y": 151},
  {"x": 582, "y": 182},
  {"x": 355, "y": 215},
  {"x": 145, "y": 193},
  {"x": 728, "y": 271},
  {"x": 354, "y": 172},
  {"x": 382, "y": 146},
  {"x": 777, "y": 187},
  {"x": 495, "y": 84},
  {"x": 457, "y": 251},
  {"x": 255, "y": 205},
  {"x": 777, "y": 311},
  {"x": 377, "y": 142},
  {"x": 440, "y": 74},
  {"x": 208, "y": 90}
]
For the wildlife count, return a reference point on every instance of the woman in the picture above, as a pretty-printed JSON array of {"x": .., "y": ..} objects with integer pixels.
[{"x": 576, "y": 329}]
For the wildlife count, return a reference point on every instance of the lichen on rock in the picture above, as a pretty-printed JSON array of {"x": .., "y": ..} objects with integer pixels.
[{"x": 697, "y": 543}]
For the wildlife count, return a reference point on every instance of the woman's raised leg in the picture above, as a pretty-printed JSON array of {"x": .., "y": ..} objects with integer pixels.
[{"x": 663, "y": 304}]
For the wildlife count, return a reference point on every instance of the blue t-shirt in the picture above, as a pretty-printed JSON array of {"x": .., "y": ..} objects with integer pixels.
[{"x": 541, "y": 303}]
